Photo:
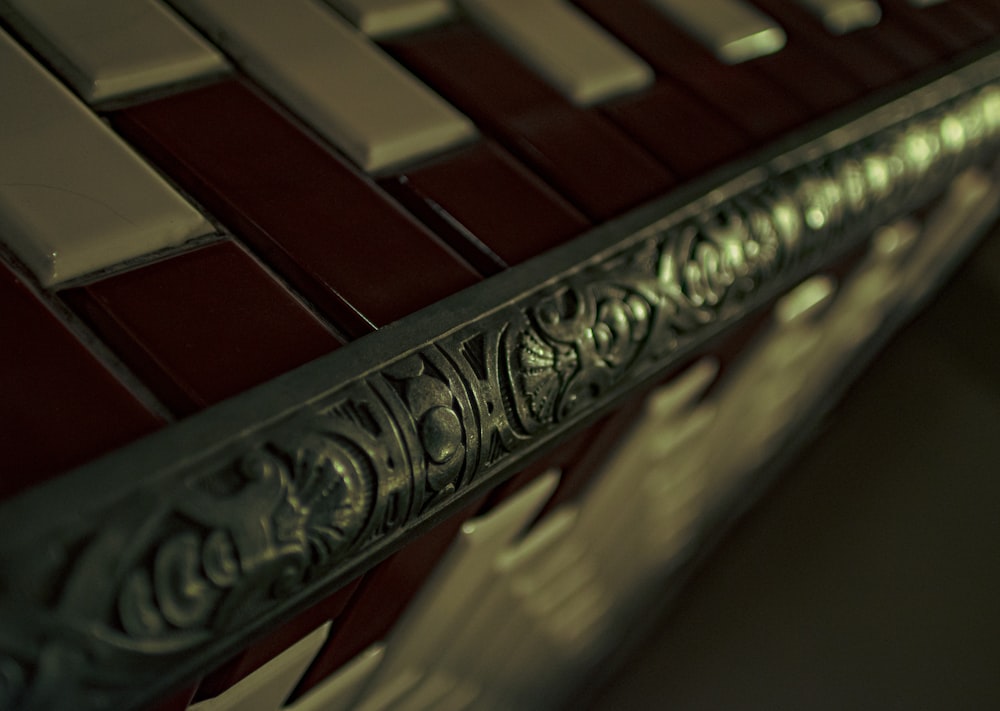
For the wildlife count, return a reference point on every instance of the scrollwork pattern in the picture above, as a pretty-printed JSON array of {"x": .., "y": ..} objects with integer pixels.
[{"x": 224, "y": 544}]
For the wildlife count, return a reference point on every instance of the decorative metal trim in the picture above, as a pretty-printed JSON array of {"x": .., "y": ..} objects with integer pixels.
[{"x": 127, "y": 576}]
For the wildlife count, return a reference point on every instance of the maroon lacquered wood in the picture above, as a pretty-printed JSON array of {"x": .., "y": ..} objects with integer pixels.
[
  {"x": 987, "y": 10},
  {"x": 743, "y": 94},
  {"x": 578, "y": 152},
  {"x": 947, "y": 25},
  {"x": 898, "y": 40},
  {"x": 61, "y": 407},
  {"x": 382, "y": 597},
  {"x": 983, "y": 14},
  {"x": 264, "y": 650},
  {"x": 868, "y": 64},
  {"x": 677, "y": 127},
  {"x": 813, "y": 78},
  {"x": 487, "y": 206},
  {"x": 202, "y": 326},
  {"x": 177, "y": 701},
  {"x": 331, "y": 232}
]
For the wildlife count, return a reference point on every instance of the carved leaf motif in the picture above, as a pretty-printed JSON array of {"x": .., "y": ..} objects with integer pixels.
[
  {"x": 238, "y": 539},
  {"x": 544, "y": 368}
]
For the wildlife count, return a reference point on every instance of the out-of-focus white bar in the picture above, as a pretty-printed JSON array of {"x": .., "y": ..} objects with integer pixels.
[
  {"x": 73, "y": 197},
  {"x": 734, "y": 31},
  {"x": 109, "y": 48},
  {"x": 267, "y": 688},
  {"x": 925, "y": 3},
  {"x": 381, "y": 18},
  {"x": 339, "y": 690},
  {"x": 334, "y": 77},
  {"x": 843, "y": 16},
  {"x": 564, "y": 46}
]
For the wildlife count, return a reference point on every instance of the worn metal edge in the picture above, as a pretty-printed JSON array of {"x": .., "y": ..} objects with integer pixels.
[{"x": 127, "y": 576}]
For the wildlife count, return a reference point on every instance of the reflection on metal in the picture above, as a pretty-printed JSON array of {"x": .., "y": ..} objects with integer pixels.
[
  {"x": 514, "y": 621},
  {"x": 128, "y": 576}
]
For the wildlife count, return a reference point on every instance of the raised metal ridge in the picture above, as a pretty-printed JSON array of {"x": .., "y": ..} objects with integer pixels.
[{"x": 128, "y": 576}]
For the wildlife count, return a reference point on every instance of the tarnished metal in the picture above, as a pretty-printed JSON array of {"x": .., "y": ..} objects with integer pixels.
[{"x": 127, "y": 576}]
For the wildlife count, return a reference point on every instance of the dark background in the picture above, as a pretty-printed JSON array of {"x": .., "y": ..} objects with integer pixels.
[{"x": 868, "y": 577}]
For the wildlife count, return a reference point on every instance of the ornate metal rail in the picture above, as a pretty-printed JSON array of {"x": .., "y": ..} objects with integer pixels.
[{"x": 127, "y": 576}]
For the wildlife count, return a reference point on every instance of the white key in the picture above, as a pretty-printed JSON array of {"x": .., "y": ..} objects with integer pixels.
[
  {"x": 268, "y": 687},
  {"x": 843, "y": 16},
  {"x": 733, "y": 31},
  {"x": 73, "y": 197},
  {"x": 971, "y": 201},
  {"x": 425, "y": 627},
  {"x": 441, "y": 610},
  {"x": 607, "y": 512},
  {"x": 381, "y": 18},
  {"x": 338, "y": 691},
  {"x": 563, "y": 45},
  {"x": 334, "y": 78},
  {"x": 109, "y": 48}
]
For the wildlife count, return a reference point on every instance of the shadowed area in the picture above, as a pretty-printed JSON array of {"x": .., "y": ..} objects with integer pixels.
[{"x": 869, "y": 576}]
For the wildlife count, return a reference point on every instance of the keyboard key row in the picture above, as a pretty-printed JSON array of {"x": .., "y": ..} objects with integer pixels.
[
  {"x": 334, "y": 78},
  {"x": 111, "y": 48},
  {"x": 73, "y": 197},
  {"x": 334, "y": 234}
]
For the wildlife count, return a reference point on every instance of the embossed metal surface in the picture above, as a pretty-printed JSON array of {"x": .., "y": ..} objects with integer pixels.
[{"x": 129, "y": 575}]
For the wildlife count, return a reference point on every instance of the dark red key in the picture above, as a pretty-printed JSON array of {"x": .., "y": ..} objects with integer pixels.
[
  {"x": 987, "y": 10},
  {"x": 487, "y": 206},
  {"x": 983, "y": 13},
  {"x": 382, "y": 597},
  {"x": 578, "y": 152},
  {"x": 687, "y": 135},
  {"x": 749, "y": 99},
  {"x": 178, "y": 701},
  {"x": 945, "y": 25},
  {"x": 897, "y": 39},
  {"x": 332, "y": 233},
  {"x": 264, "y": 650},
  {"x": 61, "y": 407},
  {"x": 202, "y": 326},
  {"x": 868, "y": 64},
  {"x": 811, "y": 77}
]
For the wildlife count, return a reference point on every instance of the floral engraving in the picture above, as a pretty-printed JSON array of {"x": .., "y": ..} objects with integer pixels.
[{"x": 221, "y": 545}]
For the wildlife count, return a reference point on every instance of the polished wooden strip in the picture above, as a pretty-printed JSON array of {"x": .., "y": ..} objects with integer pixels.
[
  {"x": 741, "y": 93},
  {"x": 491, "y": 210},
  {"x": 61, "y": 407},
  {"x": 680, "y": 129},
  {"x": 953, "y": 27},
  {"x": 331, "y": 232},
  {"x": 202, "y": 326},
  {"x": 579, "y": 153},
  {"x": 915, "y": 51},
  {"x": 815, "y": 79},
  {"x": 866, "y": 62}
]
